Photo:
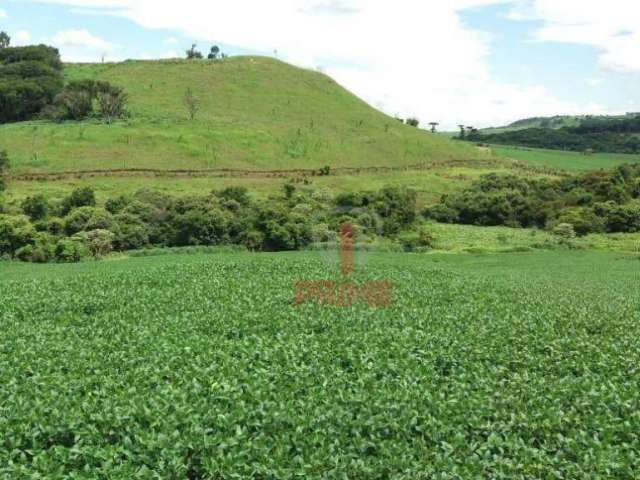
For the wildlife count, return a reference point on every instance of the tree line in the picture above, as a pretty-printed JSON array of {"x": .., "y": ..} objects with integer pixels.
[
  {"x": 74, "y": 227},
  {"x": 594, "y": 202},
  {"x": 615, "y": 135}
]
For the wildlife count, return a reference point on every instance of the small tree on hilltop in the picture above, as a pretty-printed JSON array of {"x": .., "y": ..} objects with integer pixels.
[
  {"x": 462, "y": 132},
  {"x": 193, "y": 54},
  {"x": 433, "y": 126},
  {"x": 191, "y": 103},
  {"x": 414, "y": 122},
  {"x": 213, "y": 54},
  {"x": 5, "y": 40}
]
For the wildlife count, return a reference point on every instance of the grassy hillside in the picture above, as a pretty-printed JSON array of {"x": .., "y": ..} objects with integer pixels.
[{"x": 256, "y": 113}]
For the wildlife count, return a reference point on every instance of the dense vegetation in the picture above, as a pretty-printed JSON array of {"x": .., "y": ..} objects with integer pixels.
[
  {"x": 73, "y": 227},
  {"x": 202, "y": 367},
  {"x": 30, "y": 78},
  {"x": 591, "y": 202},
  {"x": 600, "y": 134}
]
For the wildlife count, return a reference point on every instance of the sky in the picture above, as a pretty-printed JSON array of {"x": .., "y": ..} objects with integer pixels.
[{"x": 473, "y": 62}]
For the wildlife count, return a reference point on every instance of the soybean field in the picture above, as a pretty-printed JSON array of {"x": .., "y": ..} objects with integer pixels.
[{"x": 204, "y": 367}]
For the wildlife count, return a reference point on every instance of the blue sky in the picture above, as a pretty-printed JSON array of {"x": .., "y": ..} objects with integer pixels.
[{"x": 480, "y": 62}]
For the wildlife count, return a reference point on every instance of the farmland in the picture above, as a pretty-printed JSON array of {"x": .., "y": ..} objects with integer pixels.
[
  {"x": 202, "y": 366},
  {"x": 564, "y": 160}
]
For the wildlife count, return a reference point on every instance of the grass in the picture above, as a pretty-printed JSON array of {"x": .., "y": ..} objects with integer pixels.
[
  {"x": 429, "y": 184},
  {"x": 471, "y": 239},
  {"x": 256, "y": 113},
  {"x": 563, "y": 160},
  {"x": 202, "y": 366}
]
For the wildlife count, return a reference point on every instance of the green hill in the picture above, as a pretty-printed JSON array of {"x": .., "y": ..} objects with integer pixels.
[{"x": 255, "y": 113}]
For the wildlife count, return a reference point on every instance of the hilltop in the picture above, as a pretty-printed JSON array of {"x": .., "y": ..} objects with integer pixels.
[{"x": 255, "y": 113}]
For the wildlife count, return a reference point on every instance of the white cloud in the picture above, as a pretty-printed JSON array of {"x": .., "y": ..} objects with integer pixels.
[
  {"x": 3, "y": 13},
  {"x": 612, "y": 27},
  {"x": 594, "y": 82},
  {"x": 411, "y": 57},
  {"x": 22, "y": 37},
  {"x": 170, "y": 41},
  {"x": 81, "y": 46}
]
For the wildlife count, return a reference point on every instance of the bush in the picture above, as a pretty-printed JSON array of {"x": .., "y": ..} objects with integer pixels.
[
  {"x": 112, "y": 103},
  {"x": 196, "y": 227},
  {"x": 582, "y": 220},
  {"x": 71, "y": 105},
  {"x": 87, "y": 218},
  {"x": 131, "y": 232},
  {"x": 35, "y": 207},
  {"x": 417, "y": 241},
  {"x": 71, "y": 251},
  {"x": 564, "y": 231},
  {"x": 80, "y": 197},
  {"x": 99, "y": 242},
  {"x": 15, "y": 233}
]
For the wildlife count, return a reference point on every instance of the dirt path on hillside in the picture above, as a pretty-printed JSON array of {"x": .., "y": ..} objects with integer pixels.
[{"x": 239, "y": 173}]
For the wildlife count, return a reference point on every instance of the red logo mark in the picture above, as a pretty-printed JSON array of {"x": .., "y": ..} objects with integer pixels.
[{"x": 326, "y": 292}]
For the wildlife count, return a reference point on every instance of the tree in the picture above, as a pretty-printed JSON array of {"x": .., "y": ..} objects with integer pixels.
[
  {"x": 35, "y": 207},
  {"x": 4, "y": 166},
  {"x": 414, "y": 122},
  {"x": 433, "y": 126},
  {"x": 5, "y": 40},
  {"x": 30, "y": 78},
  {"x": 193, "y": 54},
  {"x": 462, "y": 132},
  {"x": 192, "y": 103},
  {"x": 215, "y": 50},
  {"x": 112, "y": 103}
]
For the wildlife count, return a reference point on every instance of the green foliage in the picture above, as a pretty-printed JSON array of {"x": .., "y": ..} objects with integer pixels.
[
  {"x": 4, "y": 166},
  {"x": 592, "y": 202},
  {"x": 202, "y": 366},
  {"x": 79, "y": 197},
  {"x": 193, "y": 54},
  {"x": 231, "y": 216},
  {"x": 592, "y": 134},
  {"x": 5, "y": 40},
  {"x": 35, "y": 207},
  {"x": 414, "y": 122},
  {"x": 30, "y": 78}
]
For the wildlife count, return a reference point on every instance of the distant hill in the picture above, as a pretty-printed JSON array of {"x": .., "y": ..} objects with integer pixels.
[
  {"x": 555, "y": 122},
  {"x": 255, "y": 113},
  {"x": 611, "y": 134}
]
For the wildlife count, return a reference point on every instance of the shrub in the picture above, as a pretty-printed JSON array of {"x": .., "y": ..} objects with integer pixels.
[
  {"x": 15, "y": 233},
  {"x": 564, "y": 231},
  {"x": 35, "y": 207},
  {"x": 239, "y": 194},
  {"x": 417, "y": 241},
  {"x": 583, "y": 220},
  {"x": 79, "y": 197},
  {"x": 71, "y": 251},
  {"x": 99, "y": 241},
  {"x": 87, "y": 218},
  {"x": 130, "y": 233},
  {"x": 71, "y": 105},
  {"x": 112, "y": 103},
  {"x": 196, "y": 227}
]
